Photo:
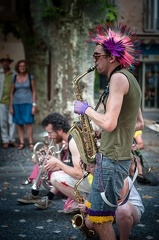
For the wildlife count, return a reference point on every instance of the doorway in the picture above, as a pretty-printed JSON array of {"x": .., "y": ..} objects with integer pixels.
[{"x": 150, "y": 86}]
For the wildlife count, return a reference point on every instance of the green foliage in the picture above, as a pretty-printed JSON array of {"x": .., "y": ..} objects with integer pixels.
[
  {"x": 52, "y": 13},
  {"x": 110, "y": 11},
  {"x": 53, "y": 10},
  {"x": 9, "y": 27}
]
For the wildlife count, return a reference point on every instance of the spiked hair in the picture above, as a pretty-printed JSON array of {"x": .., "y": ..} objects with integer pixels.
[{"x": 120, "y": 42}]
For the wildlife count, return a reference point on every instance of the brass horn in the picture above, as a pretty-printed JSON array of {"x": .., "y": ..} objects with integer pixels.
[
  {"x": 78, "y": 220},
  {"x": 41, "y": 156},
  {"x": 36, "y": 184}
]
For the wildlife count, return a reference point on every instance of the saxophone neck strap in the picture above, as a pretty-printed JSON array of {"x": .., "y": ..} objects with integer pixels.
[
  {"x": 102, "y": 97},
  {"x": 106, "y": 91}
]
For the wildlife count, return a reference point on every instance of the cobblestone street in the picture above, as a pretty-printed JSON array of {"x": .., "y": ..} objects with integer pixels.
[{"x": 20, "y": 221}]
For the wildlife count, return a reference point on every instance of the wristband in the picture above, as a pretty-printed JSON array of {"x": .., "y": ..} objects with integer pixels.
[{"x": 34, "y": 104}]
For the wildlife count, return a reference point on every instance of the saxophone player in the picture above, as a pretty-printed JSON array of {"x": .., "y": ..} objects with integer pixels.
[{"x": 117, "y": 49}]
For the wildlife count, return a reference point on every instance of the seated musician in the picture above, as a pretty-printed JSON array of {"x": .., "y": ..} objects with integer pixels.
[{"x": 57, "y": 128}]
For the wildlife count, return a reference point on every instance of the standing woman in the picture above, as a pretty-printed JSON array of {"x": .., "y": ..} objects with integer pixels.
[{"x": 23, "y": 102}]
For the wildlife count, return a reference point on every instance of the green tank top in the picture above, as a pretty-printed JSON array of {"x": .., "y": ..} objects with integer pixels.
[{"x": 117, "y": 144}]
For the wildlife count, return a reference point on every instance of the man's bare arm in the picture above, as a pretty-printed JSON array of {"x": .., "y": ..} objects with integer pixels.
[{"x": 140, "y": 121}]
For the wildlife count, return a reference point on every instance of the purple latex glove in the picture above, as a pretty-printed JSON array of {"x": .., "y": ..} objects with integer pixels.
[{"x": 80, "y": 107}]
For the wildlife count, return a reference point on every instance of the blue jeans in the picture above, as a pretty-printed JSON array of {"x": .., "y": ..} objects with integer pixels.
[{"x": 109, "y": 178}]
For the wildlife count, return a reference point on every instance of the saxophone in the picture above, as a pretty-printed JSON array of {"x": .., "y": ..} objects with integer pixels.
[
  {"x": 84, "y": 137},
  {"x": 78, "y": 220}
]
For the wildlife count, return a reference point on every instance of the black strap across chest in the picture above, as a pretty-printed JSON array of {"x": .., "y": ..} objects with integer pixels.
[{"x": 106, "y": 91}]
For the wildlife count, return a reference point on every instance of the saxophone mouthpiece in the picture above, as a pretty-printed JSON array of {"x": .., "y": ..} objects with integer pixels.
[{"x": 91, "y": 69}]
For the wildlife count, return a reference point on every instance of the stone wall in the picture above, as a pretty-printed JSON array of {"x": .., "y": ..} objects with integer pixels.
[{"x": 131, "y": 13}]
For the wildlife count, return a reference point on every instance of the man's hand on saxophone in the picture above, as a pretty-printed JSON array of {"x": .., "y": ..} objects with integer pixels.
[
  {"x": 80, "y": 107},
  {"x": 82, "y": 207}
]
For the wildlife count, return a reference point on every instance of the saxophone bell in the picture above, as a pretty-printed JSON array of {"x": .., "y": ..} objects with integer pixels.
[
  {"x": 78, "y": 222},
  {"x": 85, "y": 139}
]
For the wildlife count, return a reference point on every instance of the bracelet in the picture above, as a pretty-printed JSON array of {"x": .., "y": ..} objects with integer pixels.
[{"x": 34, "y": 104}]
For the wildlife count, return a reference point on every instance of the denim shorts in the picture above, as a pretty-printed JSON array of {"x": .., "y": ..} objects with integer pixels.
[{"x": 109, "y": 178}]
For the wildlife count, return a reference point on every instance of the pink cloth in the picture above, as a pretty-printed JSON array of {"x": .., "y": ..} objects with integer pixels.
[
  {"x": 34, "y": 172},
  {"x": 70, "y": 206}
]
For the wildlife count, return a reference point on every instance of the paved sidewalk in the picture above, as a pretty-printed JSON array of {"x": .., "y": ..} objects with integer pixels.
[
  {"x": 18, "y": 162},
  {"x": 20, "y": 221}
]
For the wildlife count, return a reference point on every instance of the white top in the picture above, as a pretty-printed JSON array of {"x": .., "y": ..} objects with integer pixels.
[{"x": 134, "y": 197}]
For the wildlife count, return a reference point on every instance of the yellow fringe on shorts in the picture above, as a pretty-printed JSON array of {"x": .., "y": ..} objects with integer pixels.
[{"x": 98, "y": 219}]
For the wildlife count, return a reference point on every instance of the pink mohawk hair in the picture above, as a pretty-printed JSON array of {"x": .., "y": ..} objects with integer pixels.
[{"x": 120, "y": 42}]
